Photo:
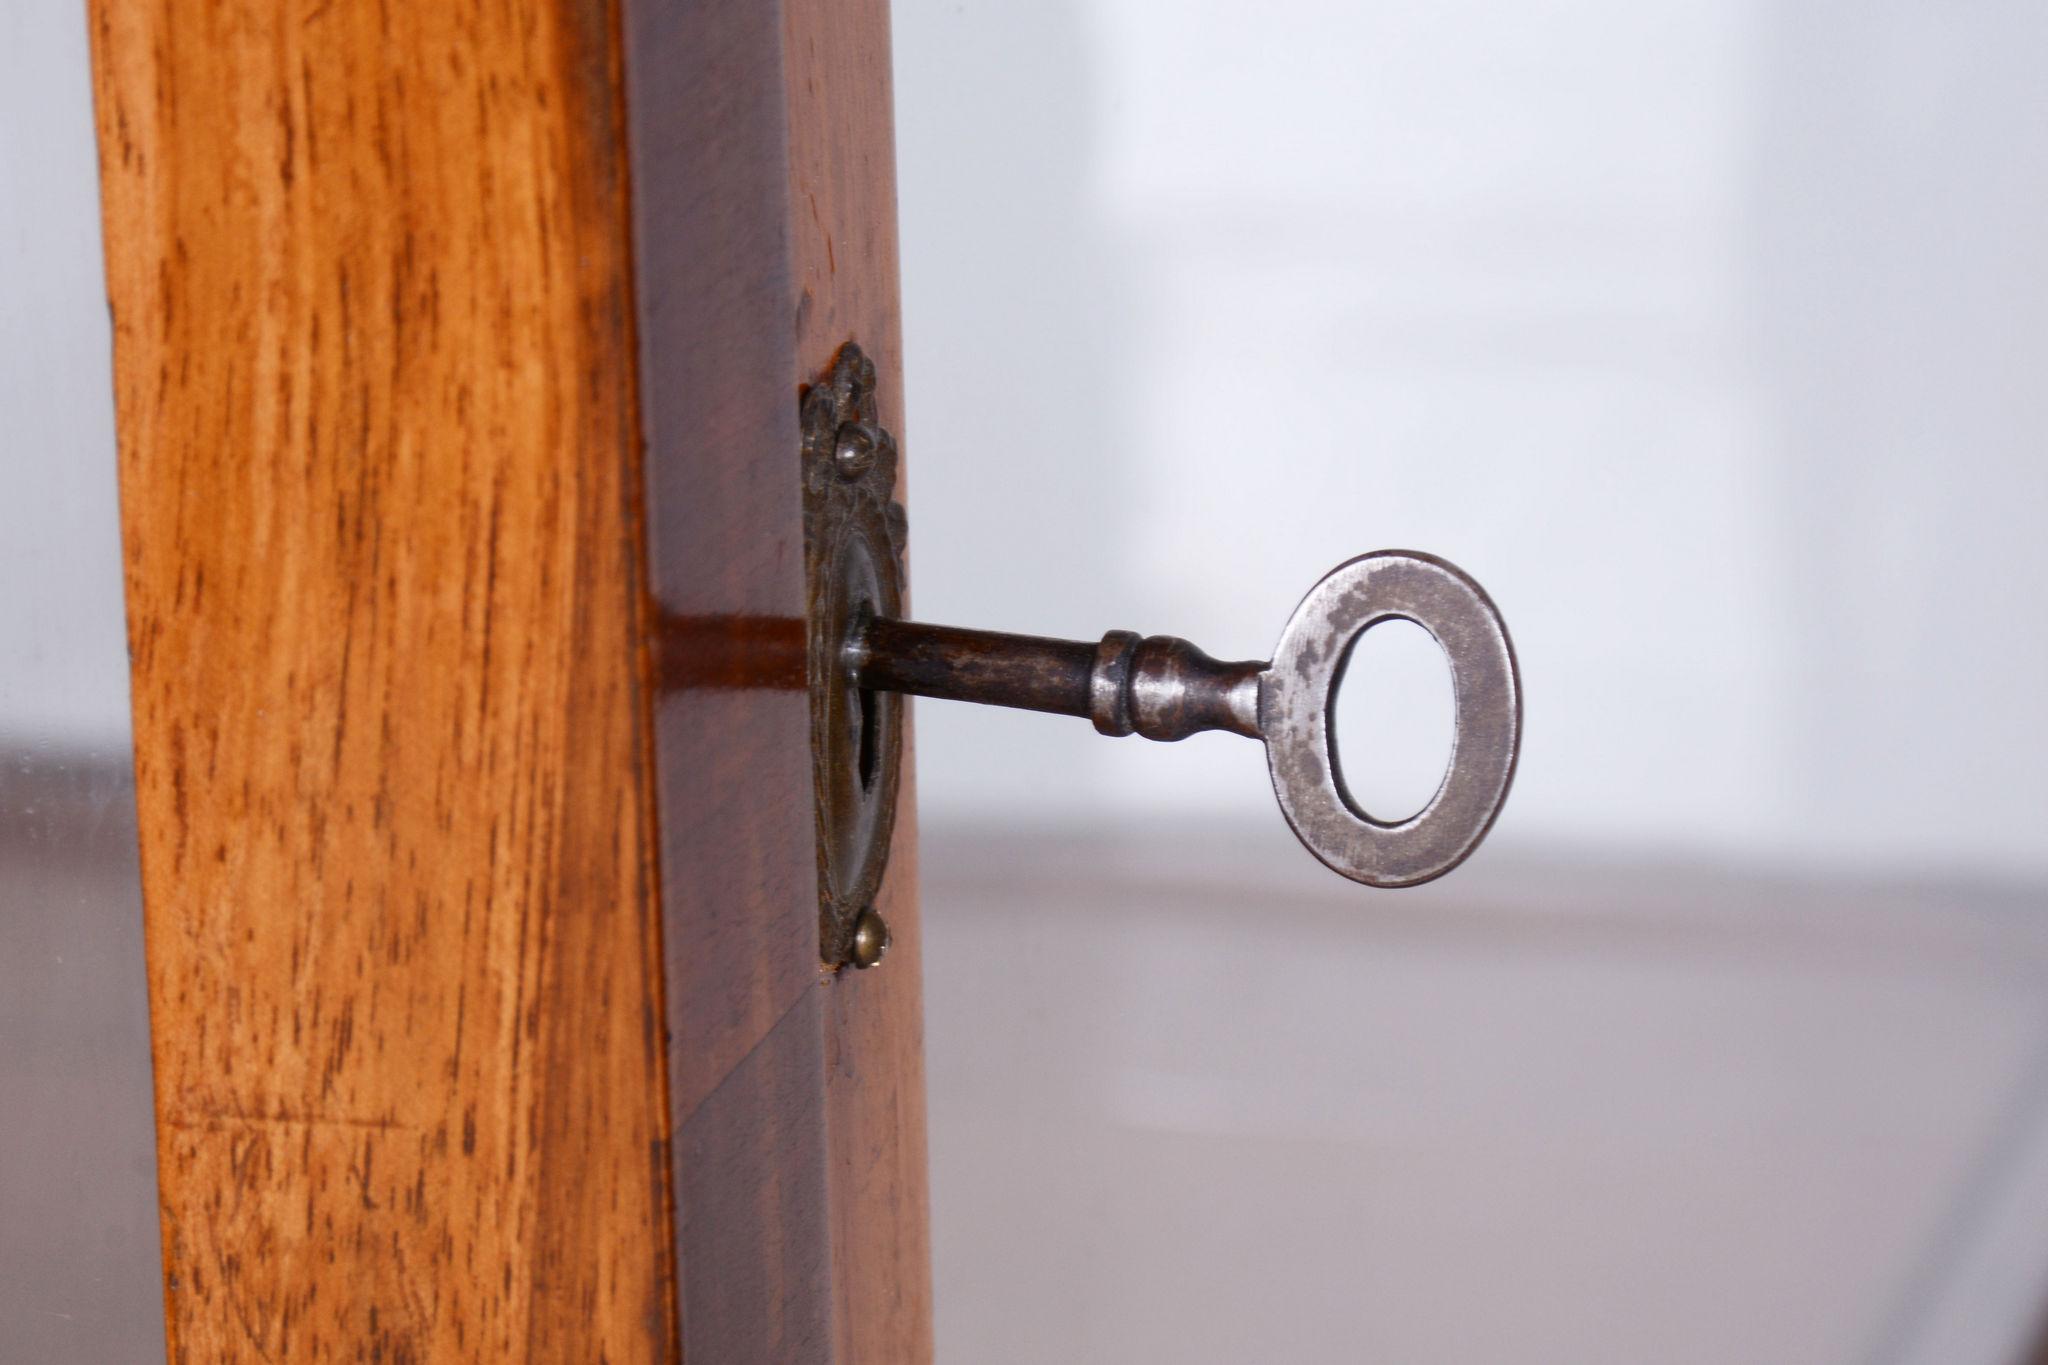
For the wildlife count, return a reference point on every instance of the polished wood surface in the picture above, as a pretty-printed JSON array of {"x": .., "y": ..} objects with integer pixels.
[
  {"x": 372, "y": 306},
  {"x": 799, "y": 1099},
  {"x": 458, "y": 350},
  {"x": 842, "y": 168}
]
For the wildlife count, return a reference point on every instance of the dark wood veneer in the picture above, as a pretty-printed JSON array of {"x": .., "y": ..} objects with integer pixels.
[{"x": 760, "y": 251}]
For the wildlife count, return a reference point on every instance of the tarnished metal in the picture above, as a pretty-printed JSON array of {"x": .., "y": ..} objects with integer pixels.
[
  {"x": 1157, "y": 686},
  {"x": 1164, "y": 688},
  {"x": 853, "y": 558},
  {"x": 863, "y": 657},
  {"x": 1021, "y": 671},
  {"x": 1297, "y": 690}
]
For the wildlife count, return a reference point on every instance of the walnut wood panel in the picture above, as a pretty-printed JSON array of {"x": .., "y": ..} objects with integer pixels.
[
  {"x": 844, "y": 254},
  {"x": 759, "y": 252},
  {"x": 370, "y": 274}
]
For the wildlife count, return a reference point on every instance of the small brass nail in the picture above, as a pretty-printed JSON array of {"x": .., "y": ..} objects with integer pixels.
[{"x": 870, "y": 938}]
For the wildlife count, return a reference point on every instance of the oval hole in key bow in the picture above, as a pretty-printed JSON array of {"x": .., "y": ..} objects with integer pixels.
[{"x": 1392, "y": 719}]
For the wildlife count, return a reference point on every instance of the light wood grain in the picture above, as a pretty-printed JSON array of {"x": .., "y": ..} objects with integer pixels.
[
  {"x": 419, "y": 759},
  {"x": 373, "y": 321}
]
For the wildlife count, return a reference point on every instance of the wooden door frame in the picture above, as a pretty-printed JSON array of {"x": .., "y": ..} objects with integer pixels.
[{"x": 457, "y": 351}]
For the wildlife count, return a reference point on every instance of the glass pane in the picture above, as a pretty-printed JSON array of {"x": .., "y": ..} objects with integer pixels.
[
  {"x": 80, "y": 1264},
  {"x": 1709, "y": 337}
]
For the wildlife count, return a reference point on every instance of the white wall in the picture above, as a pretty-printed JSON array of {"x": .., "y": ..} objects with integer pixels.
[
  {"x": 63, "y": 652},
  {"x": 1709, "y": 336}
]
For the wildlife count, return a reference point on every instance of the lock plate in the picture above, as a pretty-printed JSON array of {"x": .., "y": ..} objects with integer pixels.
[{"x": 854, "y": 534}]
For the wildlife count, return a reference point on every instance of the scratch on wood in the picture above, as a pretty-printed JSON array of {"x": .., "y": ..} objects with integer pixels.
[{"x": 220, "y": 1118}]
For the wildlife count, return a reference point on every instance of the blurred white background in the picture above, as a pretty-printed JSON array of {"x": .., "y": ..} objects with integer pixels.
[
  {"x": 1711, "y": 337},
  {"x": 63, "y": 647}
]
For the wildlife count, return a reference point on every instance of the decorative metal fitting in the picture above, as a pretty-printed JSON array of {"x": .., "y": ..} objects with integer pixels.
[
  {"x": 1160, "y": 687},
  {"x": 854, "y": 532}
]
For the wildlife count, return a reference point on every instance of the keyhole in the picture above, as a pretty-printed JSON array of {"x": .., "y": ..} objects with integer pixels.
[
  {"x": 870, "y": 747},
  {"x": 1394, "y": 708}
]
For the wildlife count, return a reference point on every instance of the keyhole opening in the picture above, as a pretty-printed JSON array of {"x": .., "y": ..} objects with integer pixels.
[
  {"x": 1394, "y": 706},
  {"x": 870, "y": 746}
]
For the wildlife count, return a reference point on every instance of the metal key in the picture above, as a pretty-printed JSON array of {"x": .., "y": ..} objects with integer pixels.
[{"x": 1164, "y": 688}]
